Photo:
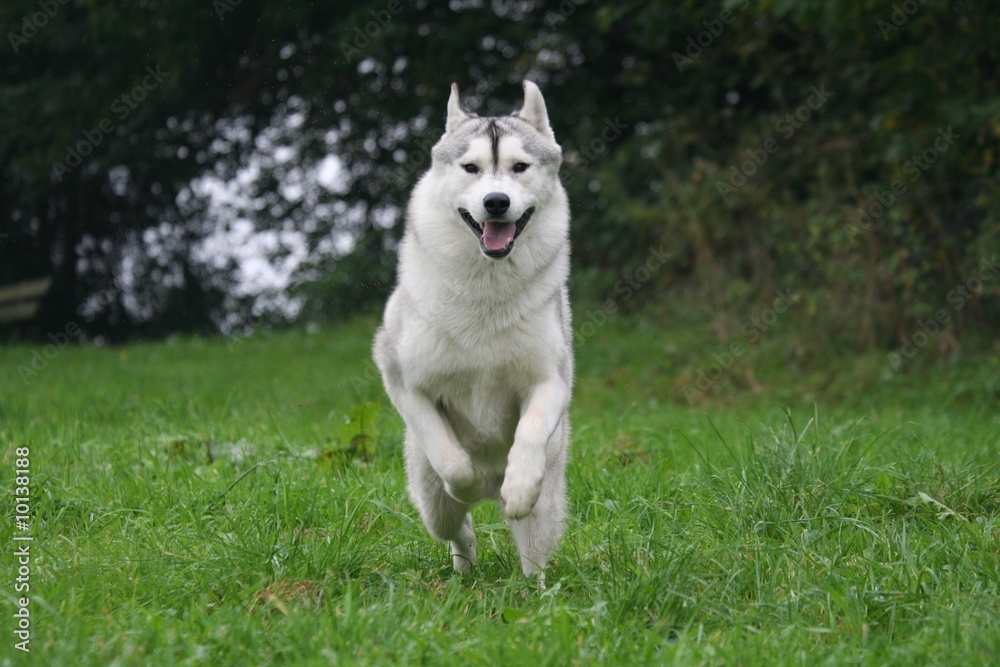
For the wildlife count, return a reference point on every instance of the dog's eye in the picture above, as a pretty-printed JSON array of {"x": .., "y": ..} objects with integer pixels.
[
  {"x": 470, "y": 168},
  {"x": 520, "y": 167}
]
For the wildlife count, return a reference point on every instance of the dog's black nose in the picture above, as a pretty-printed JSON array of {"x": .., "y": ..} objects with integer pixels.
[{"x": 496, "y": 203}]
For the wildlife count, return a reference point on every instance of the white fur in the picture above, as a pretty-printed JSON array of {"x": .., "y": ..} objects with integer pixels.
[{"x": 475, "y": 352}]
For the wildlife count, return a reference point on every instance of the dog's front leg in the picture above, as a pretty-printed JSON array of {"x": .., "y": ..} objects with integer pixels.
[
  {"x": 437, "y": 439},
  {"x": 526, "y": 461}
]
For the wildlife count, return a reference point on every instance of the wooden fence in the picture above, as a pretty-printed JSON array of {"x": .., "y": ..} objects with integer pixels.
[{"x": 20, "y": 301}]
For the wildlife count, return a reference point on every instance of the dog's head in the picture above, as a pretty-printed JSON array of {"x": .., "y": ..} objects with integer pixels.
[{"x": 497, "y": 174}]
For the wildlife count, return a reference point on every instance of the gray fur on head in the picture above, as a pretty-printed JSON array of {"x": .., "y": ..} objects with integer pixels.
[{"x": 458, "y": 133}]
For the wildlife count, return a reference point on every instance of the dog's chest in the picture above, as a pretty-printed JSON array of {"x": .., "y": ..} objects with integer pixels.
[
  {"x": 478, "y": 361},
  {"x": 482, "y": 408},
  {"x": 480, "y": 391}
]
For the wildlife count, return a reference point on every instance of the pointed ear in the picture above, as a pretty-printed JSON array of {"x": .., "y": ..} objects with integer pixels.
[
  {"x": 534, "y": 111},
  {"x": 456, "y": 114}
]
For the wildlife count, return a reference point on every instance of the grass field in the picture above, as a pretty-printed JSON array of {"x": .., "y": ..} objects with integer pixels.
[{"x": 243, "y": 502}]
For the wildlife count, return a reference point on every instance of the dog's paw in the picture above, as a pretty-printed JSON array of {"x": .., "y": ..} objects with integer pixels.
[
  {"x": 519, "y": 495},
  {"x": 463, "y": 556},
  {"x": 464, "y": 485}
]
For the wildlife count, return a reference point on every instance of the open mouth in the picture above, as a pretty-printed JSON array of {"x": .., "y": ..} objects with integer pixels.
[{"x": 496, "y": 238}]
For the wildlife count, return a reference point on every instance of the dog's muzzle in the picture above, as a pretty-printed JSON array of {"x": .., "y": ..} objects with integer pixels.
[{"x": 496, "y": 238}]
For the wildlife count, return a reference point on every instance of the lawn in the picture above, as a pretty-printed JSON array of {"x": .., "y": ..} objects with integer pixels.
[{"x": 242, "y": 502}]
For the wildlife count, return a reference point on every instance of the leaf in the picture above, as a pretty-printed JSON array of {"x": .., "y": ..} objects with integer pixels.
[
  {"x": 883, "y": 481},
  {"x": 355, "y": 439},
  {"x": 511, "y": 615},
  {"x": 236, "y": 452},
  {"x": 945, "y": 510},
  {"x": 359, "y": 432}
]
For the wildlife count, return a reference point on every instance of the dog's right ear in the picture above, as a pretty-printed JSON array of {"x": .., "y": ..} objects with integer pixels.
[
  {"x": 534, "y": 111},
  {"x": 456, "y": 114}
]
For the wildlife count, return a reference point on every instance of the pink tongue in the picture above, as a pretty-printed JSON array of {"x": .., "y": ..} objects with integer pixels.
[{"x": 497, "y": 235}]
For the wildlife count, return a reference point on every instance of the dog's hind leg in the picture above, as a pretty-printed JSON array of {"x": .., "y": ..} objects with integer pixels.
[
  {"x": 446, "y": 518},
  {"x": 537, "y": 534}
]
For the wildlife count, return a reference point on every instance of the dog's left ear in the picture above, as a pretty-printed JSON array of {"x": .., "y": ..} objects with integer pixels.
[{"x": 534, "y": 111}]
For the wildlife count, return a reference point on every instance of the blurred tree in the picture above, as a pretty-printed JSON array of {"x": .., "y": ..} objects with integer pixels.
[{"x": 111, "y": 111}]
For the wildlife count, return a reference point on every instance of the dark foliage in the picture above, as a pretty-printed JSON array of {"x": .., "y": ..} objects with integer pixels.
[{"x": 846, "y": 151}]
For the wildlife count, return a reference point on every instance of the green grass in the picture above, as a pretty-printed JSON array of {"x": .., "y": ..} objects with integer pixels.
[{"x": 192, "y": 504}]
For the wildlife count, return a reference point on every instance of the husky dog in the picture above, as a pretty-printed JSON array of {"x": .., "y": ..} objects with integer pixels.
[{"x": 475, "y": 347}]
